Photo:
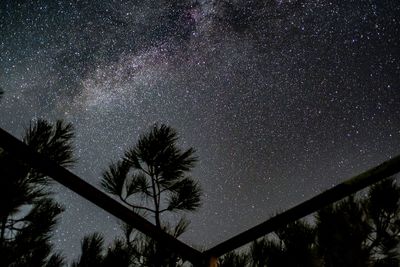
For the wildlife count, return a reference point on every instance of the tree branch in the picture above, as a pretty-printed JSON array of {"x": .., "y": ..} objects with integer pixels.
[
  {"x": 163, "y": 210},
  {"x": 136, "y": 207}
]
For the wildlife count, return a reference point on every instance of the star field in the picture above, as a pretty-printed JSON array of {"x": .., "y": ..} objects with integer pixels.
[{"x": 281, "y": 99}]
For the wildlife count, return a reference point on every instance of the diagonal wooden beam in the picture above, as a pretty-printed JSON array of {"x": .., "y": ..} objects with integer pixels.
[
  {"x": 314, "y": 204},
  {"x": 20, "y": 151}
]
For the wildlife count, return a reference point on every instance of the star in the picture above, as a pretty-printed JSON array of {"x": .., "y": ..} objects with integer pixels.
[{"x": 280, "y": 101}]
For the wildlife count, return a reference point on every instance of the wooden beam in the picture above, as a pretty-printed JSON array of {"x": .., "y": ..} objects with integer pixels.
[
  {"x": 314, "y": 204},
  {"x": 20, "y": 151}
]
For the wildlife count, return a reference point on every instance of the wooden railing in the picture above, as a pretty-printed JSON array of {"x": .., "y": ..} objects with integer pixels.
[{"x": 21, "y": 151}]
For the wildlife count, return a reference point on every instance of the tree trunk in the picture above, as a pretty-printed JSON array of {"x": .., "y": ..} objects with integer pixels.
[
  {"x": 3, "y": 229},
  {"x": 158, "y": 254}
]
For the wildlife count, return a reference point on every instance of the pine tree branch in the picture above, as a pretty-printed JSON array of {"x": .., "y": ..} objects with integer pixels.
[
  {"x": 146, "y": 172},
  {"x": 168, "y": 188},
  {"x": 3, "y": 230},
  {"x": 146, "y": 192},
  {"x": 136, "y": 207},
  {"x": 158, "y": 194},
  {"x": 164, "y": 210}
]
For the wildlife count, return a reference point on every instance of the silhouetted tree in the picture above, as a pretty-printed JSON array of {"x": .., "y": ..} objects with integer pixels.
[
  {"x": 94, "y": 254},
  {"x": 293, "y": 245},
  {"x": 146, "y": 252},
  {"x": 342, "y": 230},
  {"x": 153, "y": 179},
  {"x": 234, "y": 259},
  {"x": 27, "y": 213},
  {"x": 361, "y": 230},
  {"x": 266, "y": 252},
  {"x": 119, "y": 254},
  {"x": 298, "y": 243},
  {"x": 383, "y": 209},
  {"x": 92, "y": 249}
]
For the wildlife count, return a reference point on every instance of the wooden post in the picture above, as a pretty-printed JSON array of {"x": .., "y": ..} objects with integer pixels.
[
  {"x": 213, "y": 262},
  {"x": 207, "y": 261}
]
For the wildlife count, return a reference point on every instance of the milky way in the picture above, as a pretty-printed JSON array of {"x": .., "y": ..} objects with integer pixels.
[{"x": 281, "y": 100}]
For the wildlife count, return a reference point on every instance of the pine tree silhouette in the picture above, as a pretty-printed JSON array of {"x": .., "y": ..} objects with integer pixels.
[
  {"x": 361, "y": 230},
  {"x": 234, "y": 259},
  {"x": 153, "y": 179},
  {"x": 341, "y": 231},
  {"x": 294, "y": 245},
  {"x": 27, "y": 212},
  {"x": 92, "y": 249}
]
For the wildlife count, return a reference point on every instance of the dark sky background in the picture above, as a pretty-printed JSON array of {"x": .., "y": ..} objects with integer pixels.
[{"x": 281, "y": 100}]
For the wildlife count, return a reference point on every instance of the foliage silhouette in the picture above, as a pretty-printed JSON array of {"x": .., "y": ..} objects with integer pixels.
[
  {"x": 117, "y": 255},
  {"x": 94, "y": 254},
  {"x": 383, "y": 209},
  {"x": 342, "y": 229},
  {"x": 27, "y": 212},
  {"x": 92, "y": 247},
  {"x": 368, "y": 227},
  {"x": 294, "y": 246},
  {"x": 234, "y": 259},
  {"x": 153, "y": 179},
  {"x": 361, "y": 230}
]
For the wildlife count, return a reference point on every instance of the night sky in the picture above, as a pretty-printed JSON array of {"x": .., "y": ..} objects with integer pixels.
[{"x": 281, "y": 100}]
